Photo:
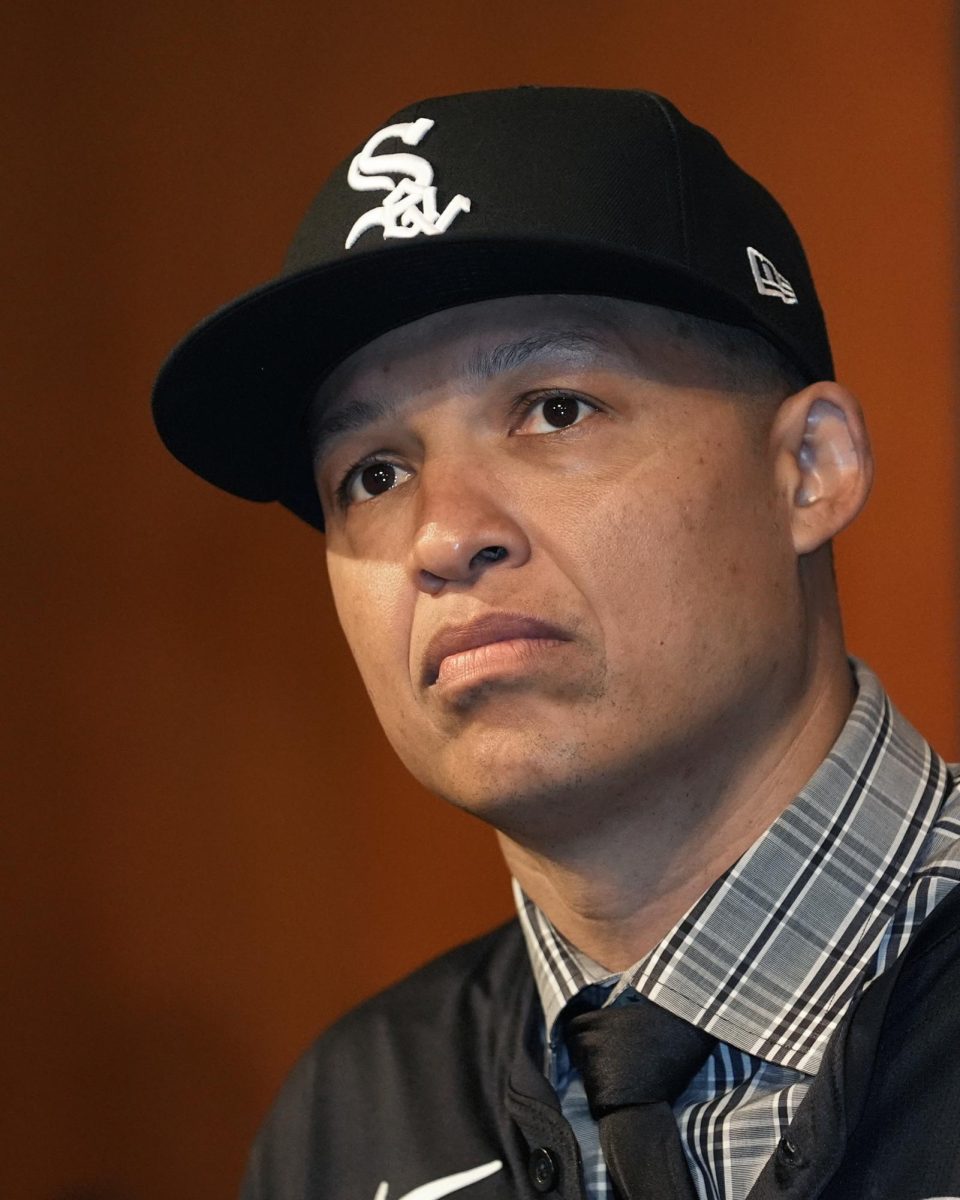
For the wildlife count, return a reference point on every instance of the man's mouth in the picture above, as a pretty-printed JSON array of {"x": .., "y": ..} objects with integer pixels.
[{"x": 489, "y": 644}]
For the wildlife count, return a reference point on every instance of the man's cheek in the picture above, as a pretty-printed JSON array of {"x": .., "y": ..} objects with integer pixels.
[{"x": 370, "y": 597}]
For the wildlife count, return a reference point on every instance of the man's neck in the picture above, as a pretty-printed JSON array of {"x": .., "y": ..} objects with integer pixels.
[{"x": 618, "y": 890}]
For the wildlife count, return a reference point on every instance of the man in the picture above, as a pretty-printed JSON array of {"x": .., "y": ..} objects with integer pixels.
[{"x": 550, "y": 372}]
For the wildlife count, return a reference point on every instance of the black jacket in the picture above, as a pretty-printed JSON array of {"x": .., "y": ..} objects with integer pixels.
[{"x": 438, "y": 1075}]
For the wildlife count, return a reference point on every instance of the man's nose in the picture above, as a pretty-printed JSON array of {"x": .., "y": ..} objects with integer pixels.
[{"x": 466, "y": 525}]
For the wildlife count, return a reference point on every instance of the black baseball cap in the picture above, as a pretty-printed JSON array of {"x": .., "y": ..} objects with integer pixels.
[{"x": 477, "y": 196}]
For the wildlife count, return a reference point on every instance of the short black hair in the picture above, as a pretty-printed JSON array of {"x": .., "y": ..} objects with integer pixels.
[{"x": 755, "y": 365}]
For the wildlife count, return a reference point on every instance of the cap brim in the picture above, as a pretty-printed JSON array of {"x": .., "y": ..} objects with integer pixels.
[{"x": 230, "y": 400}]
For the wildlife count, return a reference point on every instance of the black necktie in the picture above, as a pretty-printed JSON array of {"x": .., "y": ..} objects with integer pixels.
[{"x": 635, "y": 1060}]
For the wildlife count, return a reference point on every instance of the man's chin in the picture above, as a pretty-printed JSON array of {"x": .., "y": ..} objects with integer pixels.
[
  {"x": 511, "y": 777},
  {"x": 507, "y": 809}
]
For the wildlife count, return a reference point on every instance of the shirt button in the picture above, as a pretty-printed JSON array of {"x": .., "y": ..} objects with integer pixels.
[
  {"x": 789, "y": 1152},
  {"x": 543, "y": 1170}
]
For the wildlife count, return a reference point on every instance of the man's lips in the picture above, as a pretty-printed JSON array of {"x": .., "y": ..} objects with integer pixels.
[{"x": 489, "y": 630}]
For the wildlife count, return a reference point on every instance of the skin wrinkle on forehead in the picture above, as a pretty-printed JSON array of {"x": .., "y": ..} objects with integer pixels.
[
  {"x": 569, "y": 346},
  {"x": 566, "y": 347}
]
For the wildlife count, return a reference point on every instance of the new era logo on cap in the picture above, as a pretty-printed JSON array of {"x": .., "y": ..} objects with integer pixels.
[
  {"x": 410, "y": 206},
  {"x": 768, "y": 279}
]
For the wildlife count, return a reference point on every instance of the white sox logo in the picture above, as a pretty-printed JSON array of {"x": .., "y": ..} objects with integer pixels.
[{"x": 410, "y": 206}]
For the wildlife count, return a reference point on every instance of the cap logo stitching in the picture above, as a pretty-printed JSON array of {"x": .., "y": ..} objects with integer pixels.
[
  {"x": 768, "y": 279},
  {"x": 410, "y": 206}
]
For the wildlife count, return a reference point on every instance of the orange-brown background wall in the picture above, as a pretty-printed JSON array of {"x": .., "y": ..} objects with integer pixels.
[{"x": 209, "y": 851}]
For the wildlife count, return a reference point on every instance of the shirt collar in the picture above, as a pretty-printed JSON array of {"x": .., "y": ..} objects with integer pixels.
[{"x": 770, "y": 956}]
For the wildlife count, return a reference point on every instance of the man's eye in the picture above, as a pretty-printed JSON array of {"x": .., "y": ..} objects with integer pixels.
[
  {"x": 371, "y": 479},
  {"x": 550, "y": 413}
]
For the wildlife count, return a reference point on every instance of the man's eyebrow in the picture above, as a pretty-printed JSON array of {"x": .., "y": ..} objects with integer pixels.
[
  {"x": 354, "y": 414},
  {"x": 564, "y": 344}
]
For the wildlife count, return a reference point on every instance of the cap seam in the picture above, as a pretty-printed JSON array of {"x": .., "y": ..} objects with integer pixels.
[{"x": 680, "y": 176}]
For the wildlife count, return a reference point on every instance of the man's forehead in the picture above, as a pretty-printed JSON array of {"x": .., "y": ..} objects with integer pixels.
[{"x": 475, "y": 343}]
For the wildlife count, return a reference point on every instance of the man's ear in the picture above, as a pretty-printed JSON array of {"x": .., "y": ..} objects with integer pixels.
[{"x": 823, "y": 461}]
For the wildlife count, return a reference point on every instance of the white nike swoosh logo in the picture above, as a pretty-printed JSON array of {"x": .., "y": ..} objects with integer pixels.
[{"x": 449, "y": 1183}]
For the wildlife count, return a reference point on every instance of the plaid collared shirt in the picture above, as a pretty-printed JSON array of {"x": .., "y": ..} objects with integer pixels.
[{"x": 771, "y": 956}]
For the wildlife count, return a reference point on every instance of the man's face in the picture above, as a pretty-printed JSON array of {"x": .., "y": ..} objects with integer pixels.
[{"x": 558, "y": 551}]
